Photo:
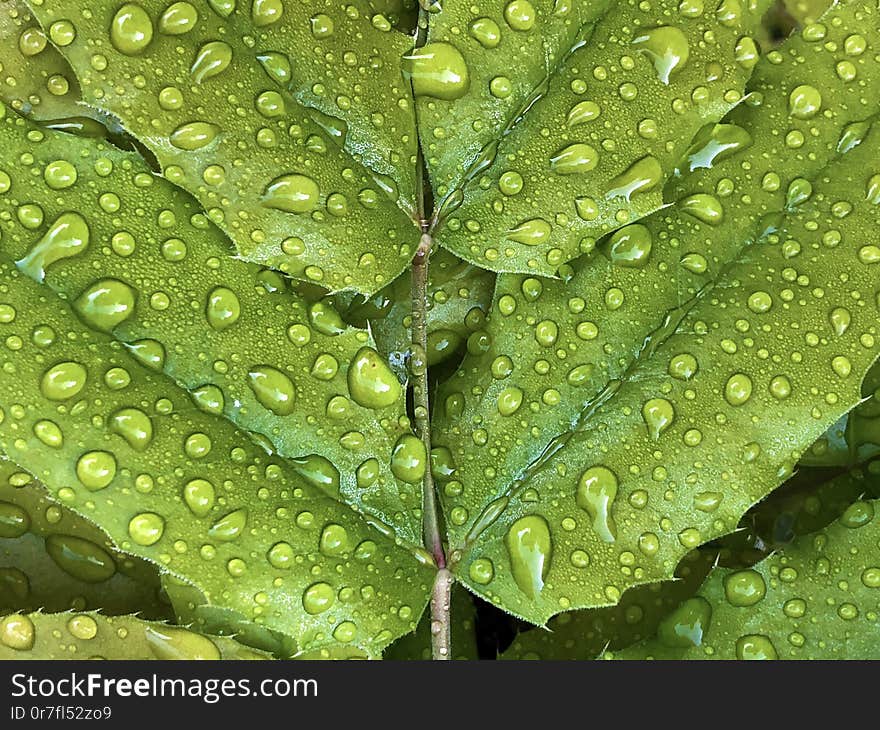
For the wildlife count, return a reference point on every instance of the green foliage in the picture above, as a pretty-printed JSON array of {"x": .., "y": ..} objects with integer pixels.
[{"x": 649, "y": 347}]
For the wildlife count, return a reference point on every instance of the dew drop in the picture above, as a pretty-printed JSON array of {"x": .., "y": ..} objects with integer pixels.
[
  {"x": 667, "y": 47},
  {"x": 273, "y": 389},
  {"x": 530, "y": 548},
  {"x": 131, "y": 30},
  {"x": 596, "y": 492},
  {"x": 67, "y": 236},
  {"x": 437, "y": 70}
]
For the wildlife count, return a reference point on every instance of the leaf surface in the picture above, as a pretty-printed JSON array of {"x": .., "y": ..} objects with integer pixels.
[
  {"x": 662, "y": 429},
  {"x": 599, "y": 138},
  {"x": 93, "y": 636},
  {"x": 241, "y": 525},
  {"x": 818, "y": 599},
  {"x": 151, "y": 269},
  {"x": 279, "y": 180}
]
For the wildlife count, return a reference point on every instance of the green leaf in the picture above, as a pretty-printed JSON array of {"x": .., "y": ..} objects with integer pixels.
[
  {"x": 37, "y": 81},
  {"x": 669, "y": 421},
  {"x": 150, "y": 268},
  {"x": 818, "y": 599},
  {"x": 293, "y": 186},
  {"x": 586, "y": 634},
  {"x": 53, "y": 560},
  {"x": 238, "y": 523},
  {"x": 591, "y": 144},
  {"x": 93, "y": 636}
]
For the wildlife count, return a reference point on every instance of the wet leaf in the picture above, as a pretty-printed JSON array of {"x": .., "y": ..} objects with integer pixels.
[
  {"x": 93, "y": 636},
  {"x": 817, "y": 599},
  {"x": 595, "y": 436},
  {"x": 239, "y": 121},
  {"x": 52, "y": 559},
  {"x": 141, "y": 261},
  {"x": 587, "y": 148},
  {"x": 236, "y": 522}
]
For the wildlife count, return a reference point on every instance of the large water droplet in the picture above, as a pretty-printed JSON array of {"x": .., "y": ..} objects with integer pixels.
[
  {"x": 640, "y": 177},
  {"x": 67, "y": 236},
  {"x": 531, "y": 232},
  {"x": 371, "y": 382},
  {"x": 212, "y": 59},
  {"x": 744, "y": 588},
  {"x": 631, "y": 246},
  {"x": 223, "y": 308},
  {"x": 146, "y": 528},
  {"x": 576, "y": 158},
  {"x": 194, "y": 135},
  {"x": 273, "y": 389},
  {"x": 63, "y": 381},
  {"x": 596, "y": 492},
  {"x": 409, "y": 459},
  {"x": 105, "y": 304},
  {"x": 17, "y": 632},
  {"x": 686, "y": 626},
  {"x": 134, "y": 426},
  {"x": 292, "y": 193},
  {"x": 168, "y": 643},
  {"x": 667, "y": 47},
  {"x": 530, "y": 548},
  {"x": 81, "y": 558},
  {"x": 131, "y": 29},
  {"x": 437, "y": 70}
]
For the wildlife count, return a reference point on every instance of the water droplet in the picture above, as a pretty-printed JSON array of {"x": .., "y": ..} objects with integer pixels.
[
  {"x": 437, "y": 70},
  {"x": 277, "y": 66},
  {"x": 14, "y": 521},
  {"x": 81, "y": 558},
  {"x": 223, "y": 308},
  {"x": 168, "y": 643},
  {"x": 229, "y": 527},
  {"x": 266, "y": 12},
  {"x": 292, "y": 193},
  {"x": 131, "y": 30},
  {"x": 596, "y": 492},
  {"x": 63, "y": 381},
  {"x": 134, "y": 426},
  {"x": 576, "y": 158},
  {"x": 212, "y": 59},
  {"x": 319, "y": 472},
  {"x": 630, "y": 246},
  {"x": 105, "y": 304},
  {"x": 509, "y": 401},
  {"x": 371, "y": 382},
  {"x": 486, "y": 32},
  {"x": 686, "y": 626},
  {"x": 704, "y": 207},
  {"x": 520, "y": 15},
  {"x": 334, "y": 541},
  {"x": 744, "y": 588},
  {"x": 640, "y": 177},
  {"x": 755, "y": 647},
  {"x": 194, "y": 135},
  {"x": 804, "y": 102},
  {"x": 322, "y": 25},
  {"x": 716, "y": 142},
  {"x": 318, "y": 597},
  {"x": 409, "y": 459},
  {"x": 67, "y": 236},
  {"x": 582, "y": 112},
  {"x": 273, "y": 389},
  {"x": 59, "y": 175},
  {"x": 83, "y": 627},
  {"x": 49, "y": 433},
  {"x": 199, "y": 495},
  {"x": 530, "y": 548},
  {"x": 17, "y": 632},
  {"x": 96, "y": 469},
  {"x": 481, "y": 571},
  {"x": 146, "y": 528},
  {"x": 738, "y": 389},
  {"x": 658, "y": 414},
  {"x": 667, "y": 47},
  {"x": 178, "y": 18},
  {"x": 531, "y": 232}
]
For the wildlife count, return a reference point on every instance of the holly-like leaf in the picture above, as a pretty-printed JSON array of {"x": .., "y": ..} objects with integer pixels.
[
  {"x": 135, "y": 257},
  {"x": 233, "y": 520},
  {"x": 587, "y": 146},
  {"x": 52, "y": 559},
  {"x": 586, "y": 634},
  {"x": 219, "y": 95},
  {"x": 818, "y": 599},
  {"x": 613, "y": 421},
  {"x": 93, "y": 636}
]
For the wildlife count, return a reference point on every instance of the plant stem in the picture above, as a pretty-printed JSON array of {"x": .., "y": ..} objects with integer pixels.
[
  {"x": 441, "y": 627},
  {"x": 419, "y": 367},
  {"x": 431, "y": 535}
]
